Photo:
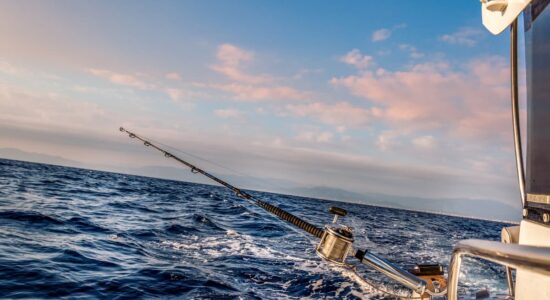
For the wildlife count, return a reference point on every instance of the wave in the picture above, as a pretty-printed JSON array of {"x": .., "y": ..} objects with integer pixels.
[{"x": 29, "y": 217}]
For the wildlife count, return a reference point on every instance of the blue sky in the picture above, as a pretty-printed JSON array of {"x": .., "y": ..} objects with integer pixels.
[{"x": 405, "y": 98}]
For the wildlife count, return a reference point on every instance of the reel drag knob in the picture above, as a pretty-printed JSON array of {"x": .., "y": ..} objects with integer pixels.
[{"x": 337, "y": 212}]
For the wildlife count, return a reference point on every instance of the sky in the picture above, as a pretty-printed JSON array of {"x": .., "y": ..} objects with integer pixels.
[{"x": 404, "y": 98}]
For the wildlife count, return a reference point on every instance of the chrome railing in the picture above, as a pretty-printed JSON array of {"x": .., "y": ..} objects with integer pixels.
[{"x": 531, "y": 258}]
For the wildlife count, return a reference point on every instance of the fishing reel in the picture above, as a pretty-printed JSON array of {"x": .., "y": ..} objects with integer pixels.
[{"x": 336, "y": 241}]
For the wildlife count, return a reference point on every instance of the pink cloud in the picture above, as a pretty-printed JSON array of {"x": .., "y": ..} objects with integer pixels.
[
  {"x": 122, "y": 79},
  {"x": 231, "y": 64},
  {"x": 173, "y": 76},
  {"x": 355, "y": 58},
  {"x": 228, "y": 113},
  {"x": 424, "y": 142},
  {"x": 469, "y": 102},
  {"x": 341, "y": 114},
  {"x": 239, "y": 75},
  {"x": 388, "y": 139},
  {"x": 318, "y": 137},
  {"x": 246, "y": 86},
  {"x": 175, "y": 94},
  {"x": 135, "y": 81},
  {"x": 232, "y": 55},
  {"x": 50, "y": 110},
  {"x": 245, "y": 92}
]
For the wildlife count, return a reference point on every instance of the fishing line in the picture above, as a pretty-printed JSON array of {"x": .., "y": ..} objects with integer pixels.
[
  {"x": 194, "y": 156},
  {"x": 235, "y": 172}
]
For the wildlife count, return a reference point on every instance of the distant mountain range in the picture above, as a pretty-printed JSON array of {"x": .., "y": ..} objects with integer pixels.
[
  {"x": 16, "y": 154},
  {"x": 474, "y": 208}
]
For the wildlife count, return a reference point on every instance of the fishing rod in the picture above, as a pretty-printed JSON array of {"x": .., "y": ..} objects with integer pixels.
[
  {"x": 336, "y": 242},
  {"x": 312, "y": 229}
]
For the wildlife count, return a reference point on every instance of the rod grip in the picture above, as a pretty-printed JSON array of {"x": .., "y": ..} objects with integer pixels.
[{"x": 286, "y": 216}]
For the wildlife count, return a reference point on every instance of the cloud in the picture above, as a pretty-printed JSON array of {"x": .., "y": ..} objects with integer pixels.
[
  {"x": 302, "y": 73},
  {"x": 341, "y": 114},
  {"x": 387, "y": 139},
  {"x": 239, "y": 75},
  {"x": 186, "y": 98},
  {"x": 232, "y": 55},
  {"x": 173, "y": 76},
  {"x": 468, "y": 102},
  {"x": 413, "y": 52},
  {"x": 48, "y": 109},
  {"x": 231, "y": 64},
  {"x": 176, "y": 94},
  {"x": 122, "y": 79},
  {"x": 229, "y": 54},
  {"x": 424, "y": 142},
  {"x": 7, "y": 68},
  {"x": 245, "y": 92},
  {"x": 228, "y": 113},
  {"x": 246, "y": 86},
  {"x": 465, "y": 37},
  {"x": 356, "y": 59},
  {"x": 385, "y": 33},
  {"x": 401, "y": 139},
  {"x": 317, "y": 137},
  {"x": 381, "y": 35}
]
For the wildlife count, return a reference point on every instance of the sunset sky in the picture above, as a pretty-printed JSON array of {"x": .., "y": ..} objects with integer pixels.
[{"x": 406, "y": 98}]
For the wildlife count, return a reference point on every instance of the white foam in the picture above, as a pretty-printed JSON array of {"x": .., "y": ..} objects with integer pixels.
[
  {"x": 231, "y": 232},
  {"x": 317, "y": 284},
  {"x": 342, "y": 287},
  {"x": 233, "y": 243}
]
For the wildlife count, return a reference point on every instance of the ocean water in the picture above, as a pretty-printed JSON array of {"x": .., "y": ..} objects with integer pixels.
[{"x": 83, "y": 234}]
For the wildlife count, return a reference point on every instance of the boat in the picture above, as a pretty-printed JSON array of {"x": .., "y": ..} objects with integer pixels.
[{"x": 524, "y": 249}]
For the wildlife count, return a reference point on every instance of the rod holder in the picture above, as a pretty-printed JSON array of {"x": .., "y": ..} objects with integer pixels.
[{"x": 392, "y": 271}]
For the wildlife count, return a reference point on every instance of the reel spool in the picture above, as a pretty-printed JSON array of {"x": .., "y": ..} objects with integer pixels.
[{"x": 337, "y": 240}]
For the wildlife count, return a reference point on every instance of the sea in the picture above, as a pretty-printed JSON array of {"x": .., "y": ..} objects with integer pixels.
[{"x": 69, "y": 233}]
